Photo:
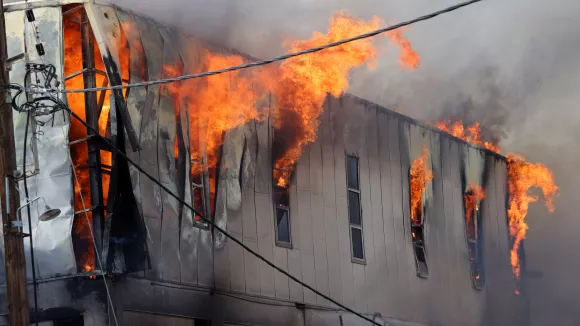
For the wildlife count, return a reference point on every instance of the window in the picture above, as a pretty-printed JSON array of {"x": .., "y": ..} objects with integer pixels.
[
  {"x": 198, "y": 192},
  {"x": 420, "y": 175},
  {"x": 472, "y": 201},
  {"x": 282, "y": 207},
  {"x": 354, "y": 209}
]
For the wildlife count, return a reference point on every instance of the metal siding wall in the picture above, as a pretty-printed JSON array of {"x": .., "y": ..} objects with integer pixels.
[
  {"x": 374, "y": 279},
  {"x": 264, "y": 208},
  {"x": 346, "y": 269},
  {"x": 382, "y": 279},
  {"x": 321, "y": 254},
  {"x": 355, "y": 138},
  {"x": 439, "y": 279},
  {"x": 170, "y": 259},
  {"x": 189, "y": 234},
  {"x": 136, "y": 97},
  {"x": 330, "y": 212},
  {"x": 151, "y": 193}
]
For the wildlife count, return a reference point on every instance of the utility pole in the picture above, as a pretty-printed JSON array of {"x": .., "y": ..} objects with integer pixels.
[{"x": 15, "y": 261}]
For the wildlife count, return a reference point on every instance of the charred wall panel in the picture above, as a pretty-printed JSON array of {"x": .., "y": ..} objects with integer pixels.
[
  {"x": 337, "y": 108},
  {"x": 151, "y": 193}
]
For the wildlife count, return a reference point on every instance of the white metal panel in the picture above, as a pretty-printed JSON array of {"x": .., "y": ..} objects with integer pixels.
[{"x": 52, "y": 240}]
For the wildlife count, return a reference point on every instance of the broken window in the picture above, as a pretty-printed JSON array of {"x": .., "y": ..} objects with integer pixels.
[
  {"x": 472, "y": 200},
  {"x": 282, "y": 208},
  {"x": 104, "y": 202},
  {"x": 420, "y": 175},
  {"x": 354, "y": 209},
  {"x": 199, "y": 192}
]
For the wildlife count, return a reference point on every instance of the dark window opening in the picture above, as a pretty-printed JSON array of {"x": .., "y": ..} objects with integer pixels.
[
  {"x": 70, "y": 321},
  {"x": 282, "y": 210},
  {"x": 419, "y": 250},
  {"x": 199, "y": 193},
  {"x": 354, "y": 209},
  {"x": 420, "y": 175},
  {"x": 472, "y": 202}
]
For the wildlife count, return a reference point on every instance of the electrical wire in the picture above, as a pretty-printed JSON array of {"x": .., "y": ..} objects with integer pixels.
[
  {"x": 97, "y": 254},
  {"x": 214, "y": 225},
  {"x": 260, "y": 62},
  {"x": 32, "y": 260}
]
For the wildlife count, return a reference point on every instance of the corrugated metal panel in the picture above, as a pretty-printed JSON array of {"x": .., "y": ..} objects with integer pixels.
[
  {"x": 52, "y": 239},
  {"x": 336, "y": 107}
]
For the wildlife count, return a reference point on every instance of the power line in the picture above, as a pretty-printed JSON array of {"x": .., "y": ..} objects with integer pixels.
[
  {"x": 181, "y": 201},
  {"x": 262, "y": 62}
]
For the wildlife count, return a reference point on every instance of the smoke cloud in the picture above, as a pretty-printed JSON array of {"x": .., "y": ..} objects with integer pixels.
[{"x": 511, "y": 65}]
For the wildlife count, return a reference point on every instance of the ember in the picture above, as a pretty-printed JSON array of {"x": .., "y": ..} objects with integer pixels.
[{"x": 420, "y": 175}]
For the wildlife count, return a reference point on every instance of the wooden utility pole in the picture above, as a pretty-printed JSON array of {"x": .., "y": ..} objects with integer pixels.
[{"x": 15, "y": 260}]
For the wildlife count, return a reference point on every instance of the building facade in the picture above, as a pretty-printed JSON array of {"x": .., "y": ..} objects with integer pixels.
[{"x": 345, "y": 224}]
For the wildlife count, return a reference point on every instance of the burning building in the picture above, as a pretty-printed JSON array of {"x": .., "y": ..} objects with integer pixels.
[{"x": 395, "y": 219}]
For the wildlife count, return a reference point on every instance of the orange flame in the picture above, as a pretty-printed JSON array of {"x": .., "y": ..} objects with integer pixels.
[
  {"x": 79, "y": 152},
  {"x": 304, "y": 82},
  {"x": 409, "y": 58},
  {"x": 470, "y": 134},
  {"x": 472, "y": 197},
  {"x": 222, "y": 103},
  {"x": 420, "y": 176},
  {"x": 522, "y": 177}
]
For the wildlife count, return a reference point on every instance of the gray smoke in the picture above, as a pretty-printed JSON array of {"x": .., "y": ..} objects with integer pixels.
[{"x": 512, "y": 65}]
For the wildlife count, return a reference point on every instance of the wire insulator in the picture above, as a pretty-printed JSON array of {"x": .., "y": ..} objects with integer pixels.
[
  {"x": 30, "y": 15},
  {"x": 40, "y": 49}
]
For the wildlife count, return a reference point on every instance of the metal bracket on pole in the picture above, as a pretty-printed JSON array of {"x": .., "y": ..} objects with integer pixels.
[{"x": 8, "y": 63}]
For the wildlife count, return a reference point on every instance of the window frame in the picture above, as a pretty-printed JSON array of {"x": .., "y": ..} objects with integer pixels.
[
  {"x": 474, "y": 246},
  {"x": 351, "y": 226},
  {"x": 418, "y": 242},
  {"x": 201, "y": 224},
  {"x": 277, "y": 207}
]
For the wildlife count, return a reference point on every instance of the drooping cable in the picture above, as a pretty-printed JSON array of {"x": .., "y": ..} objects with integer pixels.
[
  {"x": 214, "y": 225},
  {"x": 97, "y": 254},
  {"x": 260, "y": 62}
]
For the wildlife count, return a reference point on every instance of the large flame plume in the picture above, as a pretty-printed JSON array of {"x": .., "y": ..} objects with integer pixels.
[
  {"x": 304, "y": 82},
  {"x": 524, "y": 176},
  {"x": 293, "y": 93},
  {"x": 217, "y": 104},
  {"x": 79, "y": 151},
  {"x": 420, "y": 176},
  {"x": 298, "y": 88}
]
